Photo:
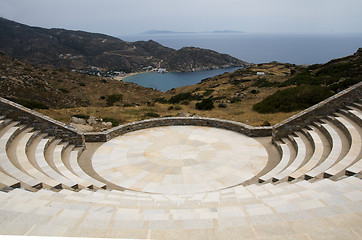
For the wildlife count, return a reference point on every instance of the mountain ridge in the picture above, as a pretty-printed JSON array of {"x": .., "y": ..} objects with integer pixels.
[{"x": 70, "y": 49}]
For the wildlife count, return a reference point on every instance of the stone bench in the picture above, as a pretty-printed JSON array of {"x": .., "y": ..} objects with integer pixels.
[
  {"x": 59, "y": 164},
  {"x": 334, "y": 154},
  {"x": 316, "y": 158},
  {"x": 353, "y": 153},
  {"x": 44, "y": 166},
  {"x": 7, "y": 164},
  {"x": 23, "y": 159},
  {"x": 73, "y": 160},
  {"x": 296, "y": 163},
  {"x": 283, "y": 163}
]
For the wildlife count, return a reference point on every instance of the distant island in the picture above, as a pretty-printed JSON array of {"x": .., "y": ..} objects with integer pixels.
[{"x": 155, "y": 32}]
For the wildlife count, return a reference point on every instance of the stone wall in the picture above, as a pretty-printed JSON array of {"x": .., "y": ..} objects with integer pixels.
[
  {"x": 40, "y": 122},
  {"x": 178, "y": 121},
  {"x": 289, "y": 126},
  {"x": 318, "y": 111}
]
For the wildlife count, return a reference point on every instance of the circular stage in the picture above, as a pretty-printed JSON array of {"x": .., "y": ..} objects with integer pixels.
[{"x": 179, "y": 159}]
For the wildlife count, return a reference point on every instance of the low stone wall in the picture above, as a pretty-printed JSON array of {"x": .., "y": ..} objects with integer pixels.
[
  {"x": 40, "y": 122},
  {"x": 318, "y": 111},
  {"x": 178, "y": 121},
  {"x": 67, "y": 133}
]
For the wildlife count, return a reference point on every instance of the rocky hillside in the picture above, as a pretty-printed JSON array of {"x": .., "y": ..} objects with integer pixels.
[
  {"x": 62, "y": 48},
  {"x": 41, "y": 87}
]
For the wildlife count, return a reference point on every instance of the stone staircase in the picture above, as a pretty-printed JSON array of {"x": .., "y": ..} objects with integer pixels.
[
  {"x": 303, "y": 210},
  {"x": 313, "y": 191},
  {"x": 32, "y": 160},
  {"x": 327, "y": 148}
]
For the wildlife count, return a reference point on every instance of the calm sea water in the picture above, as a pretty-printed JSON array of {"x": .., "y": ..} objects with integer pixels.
[
  {"x": 297, "y": 49},
  {"x": 167, "y": 81}
]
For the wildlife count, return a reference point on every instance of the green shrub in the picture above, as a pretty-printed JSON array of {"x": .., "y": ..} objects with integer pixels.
[
  {"x": 254, "y": 91},
  {"x": 64, "y": 90},
  {"x": 304, "y": 77},
  {"x": 206, "y": 104},
  {"x": 82, "y": 84},
  {"x": 84, "y": 116},
  {"x": 336, "y": 87},
  {"x": 293, "y": 99},
  {"x": 115, "y": 122},
  {"x": 222, "y": 105},
  {"x": 152, "y": 114},
  {"x": 161, "y": 100},
  {"x": 170, "y": 107},
  {"x": 32, "y": 104},
  {"x": 314, "y": 66},
  {"x": 112, "y": 99},
  {"x": 208, "y": 92},
  {"x": 263, "y": 82},
  {"x": 178, "y": 107},
  {"x": 235, "y": 99},
  {"x": 334, "y": 69},
  {"x": 183, "y": 96}
]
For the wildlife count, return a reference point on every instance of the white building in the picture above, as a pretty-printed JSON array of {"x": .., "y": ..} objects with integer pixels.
[{"x": 161, "y": 70}]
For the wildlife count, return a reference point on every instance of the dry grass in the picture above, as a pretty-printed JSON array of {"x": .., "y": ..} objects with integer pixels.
[
  {"x": 240, "y": 112},
  {"x": 224, "y": 89}
]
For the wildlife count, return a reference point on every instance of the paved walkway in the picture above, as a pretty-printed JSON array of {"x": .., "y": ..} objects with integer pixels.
[{"x": 179, "y": 159}]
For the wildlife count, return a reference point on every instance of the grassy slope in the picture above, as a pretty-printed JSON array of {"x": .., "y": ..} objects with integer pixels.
[{"x": 225, "y": 87}]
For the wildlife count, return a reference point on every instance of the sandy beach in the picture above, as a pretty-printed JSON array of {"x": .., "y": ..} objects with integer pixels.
[{"x": 119, "y": 78}]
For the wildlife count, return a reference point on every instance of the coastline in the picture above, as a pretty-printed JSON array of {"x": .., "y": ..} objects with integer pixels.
[{"x": 120, "y": 78}]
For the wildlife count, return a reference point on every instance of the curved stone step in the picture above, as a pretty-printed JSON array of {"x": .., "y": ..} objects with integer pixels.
[
  {"x": 353, "y": 153},
  {"x": 357, "y": 105},
  {"x": 73, "y": 160},
  {"x": 287, "y": 211},
  {"x": 7, "y": 164},
  {"x": 23, "y": 159},
  {"x": 44, "y": 166},
  {"x": 333, "y": 156},
  {"x": 315, "y": 158},
  {"x": 354, "y": 168},
  {"x": 354, "y": 115},
  {"x": 296, "y": 163},
  {"x": 283, "y": 163},
  {"x": 57, "y": 158}
]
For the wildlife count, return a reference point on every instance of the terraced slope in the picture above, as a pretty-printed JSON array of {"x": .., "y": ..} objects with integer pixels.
[{"x": 311, "y": 190}]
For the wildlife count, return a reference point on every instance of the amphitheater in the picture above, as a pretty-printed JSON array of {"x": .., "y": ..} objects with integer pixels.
[{"x": 185, "y": 178}]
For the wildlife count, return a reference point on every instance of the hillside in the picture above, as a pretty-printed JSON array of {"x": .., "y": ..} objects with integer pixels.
[
  {"x": 67, "y": 49},
  {"x": 232, "y": 95},
  {"x": 56, "y": 88}
]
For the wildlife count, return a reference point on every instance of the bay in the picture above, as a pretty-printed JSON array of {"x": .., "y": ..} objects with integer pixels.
[
  {"x": 169, "y": 80},
  {"x": 252, "y": 48}
]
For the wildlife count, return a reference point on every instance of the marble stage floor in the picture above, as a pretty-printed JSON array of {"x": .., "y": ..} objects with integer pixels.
[{"x": 179, "y": 159}]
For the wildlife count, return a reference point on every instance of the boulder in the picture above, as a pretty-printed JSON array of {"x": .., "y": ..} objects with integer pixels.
[
  {"x": 92, "y": 120},
  {"x": 78, "y": 120}
]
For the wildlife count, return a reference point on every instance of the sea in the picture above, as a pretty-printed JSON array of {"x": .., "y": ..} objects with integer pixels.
[{"x": 252, "y": 48}]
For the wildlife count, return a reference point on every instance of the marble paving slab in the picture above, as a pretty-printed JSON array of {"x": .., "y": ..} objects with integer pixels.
[{"x": 179, "y": 159}]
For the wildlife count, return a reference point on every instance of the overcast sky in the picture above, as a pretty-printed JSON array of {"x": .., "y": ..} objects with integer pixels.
[{"x": 122, "y": 17}]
